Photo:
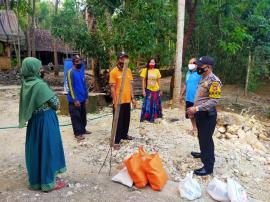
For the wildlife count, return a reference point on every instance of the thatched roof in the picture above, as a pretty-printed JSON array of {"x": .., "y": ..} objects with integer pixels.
[
  {"x": 9, "y": 27},
  {"x": 44, "y": 42}
]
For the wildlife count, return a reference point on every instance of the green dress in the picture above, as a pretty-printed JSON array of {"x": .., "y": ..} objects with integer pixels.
[{"x": 44, "y": 152}]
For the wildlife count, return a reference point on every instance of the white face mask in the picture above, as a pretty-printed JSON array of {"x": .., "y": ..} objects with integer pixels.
[{"x": 191, "y": 66}]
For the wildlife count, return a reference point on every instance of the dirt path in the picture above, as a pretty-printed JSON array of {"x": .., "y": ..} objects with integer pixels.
[{"x": 168, "y": 136}]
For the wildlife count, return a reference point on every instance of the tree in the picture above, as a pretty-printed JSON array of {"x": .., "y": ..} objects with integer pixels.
[
  {"x": 179, "y": 51},
  {"x": 56, "y": 67},
  {"x": 33, "y": 37}
]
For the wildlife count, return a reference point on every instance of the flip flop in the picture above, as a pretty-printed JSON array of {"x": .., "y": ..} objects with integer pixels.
[{"x": 116, "y": 146}]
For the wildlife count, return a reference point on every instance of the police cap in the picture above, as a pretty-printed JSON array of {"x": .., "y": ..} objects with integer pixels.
[{"x": 205, "y": 60}]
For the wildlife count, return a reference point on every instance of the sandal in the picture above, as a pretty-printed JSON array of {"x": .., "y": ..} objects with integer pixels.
[
  {"x": 116, "y": 146},
  {"x": 59, "y": 185}
]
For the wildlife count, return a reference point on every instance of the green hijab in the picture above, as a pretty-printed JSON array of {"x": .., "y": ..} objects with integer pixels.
[{"x": 34, "y": 91}]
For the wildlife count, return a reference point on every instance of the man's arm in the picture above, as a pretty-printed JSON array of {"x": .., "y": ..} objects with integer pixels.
[
  {"x": 71, "y": 82},
  {"x": 113, "y": 94}
]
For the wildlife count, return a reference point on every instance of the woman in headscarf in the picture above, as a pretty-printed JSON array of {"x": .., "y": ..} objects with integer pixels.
[
  {"x": 151, "y": 108},
  {"x": 44, "y": 152}
]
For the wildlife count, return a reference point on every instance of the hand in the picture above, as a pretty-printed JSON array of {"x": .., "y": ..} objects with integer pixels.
[
  {"x": 143, "y": 92},
  {"x": 191, "y": 111},
  {"x": 77, "y": 103},
  {"x": 134, "y": 103}
]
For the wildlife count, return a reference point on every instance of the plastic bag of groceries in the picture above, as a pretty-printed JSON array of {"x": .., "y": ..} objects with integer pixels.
[
  {"x": 218, "y": 190},
  {"x": 236, "y": 192},
  {"x": 189, "y": 187}
]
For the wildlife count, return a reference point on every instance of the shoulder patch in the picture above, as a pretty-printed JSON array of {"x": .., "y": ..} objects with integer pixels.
[{"x": 215, "y": 90}]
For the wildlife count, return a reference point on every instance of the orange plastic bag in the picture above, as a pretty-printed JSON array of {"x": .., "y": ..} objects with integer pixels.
[
  {"x": 135, "y": 169},
  {"x": 155, "y": 172}
]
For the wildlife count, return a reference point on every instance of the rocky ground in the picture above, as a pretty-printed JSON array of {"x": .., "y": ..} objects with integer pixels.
[{"x": 242, "y": 151}]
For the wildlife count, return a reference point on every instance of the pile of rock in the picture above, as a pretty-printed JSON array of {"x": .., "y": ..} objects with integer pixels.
[
  {"x": 246, "y": 129},
  {"x": 11, "y": 77}
]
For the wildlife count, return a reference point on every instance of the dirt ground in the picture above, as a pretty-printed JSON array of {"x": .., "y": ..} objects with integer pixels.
[{"x": 170, "y": 137}]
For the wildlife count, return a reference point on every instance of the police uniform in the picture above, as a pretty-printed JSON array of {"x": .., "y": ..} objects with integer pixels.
[{"x": 207, "y": 95}]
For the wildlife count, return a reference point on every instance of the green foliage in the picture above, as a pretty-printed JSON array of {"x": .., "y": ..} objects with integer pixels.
[{"x": 228, "y": 30}]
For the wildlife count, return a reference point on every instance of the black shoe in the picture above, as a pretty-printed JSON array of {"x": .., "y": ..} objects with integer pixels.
[
  {"x": 202, "y": 172},
  {"x": 87, "y": 132},
  {"x": 196, "y": 154}
]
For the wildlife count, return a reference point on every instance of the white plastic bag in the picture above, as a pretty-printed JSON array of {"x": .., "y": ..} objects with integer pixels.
[
  {"x": 218, "y": 190},
  {"x": 235, "y": 191},
  {"x": 189, "y": 188},
  {"x": 123, "y": 177}
]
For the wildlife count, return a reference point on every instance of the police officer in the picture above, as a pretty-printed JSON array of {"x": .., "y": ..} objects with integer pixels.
[{"x": 207, "y": 95}]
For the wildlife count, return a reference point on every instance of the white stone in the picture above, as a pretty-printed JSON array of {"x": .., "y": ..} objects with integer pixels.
[{"x": 222, "y": 130}]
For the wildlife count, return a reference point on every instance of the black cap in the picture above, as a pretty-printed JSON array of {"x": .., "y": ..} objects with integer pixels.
[
  {"x": 75, "y": 58},
  {"x": 122, "y": 54},
  {"x": 205, "y": 60}
]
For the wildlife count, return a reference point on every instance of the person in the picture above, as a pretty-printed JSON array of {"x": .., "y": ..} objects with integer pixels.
[
  {"x": 207, "y": 97},
  {"x": 127, "y": 97},
  {"x": 192, "y": 81},
  {"x": 43, "y": 146},
  {"x": 151, "y": 108},
  {"x": 77, "y": 97}
]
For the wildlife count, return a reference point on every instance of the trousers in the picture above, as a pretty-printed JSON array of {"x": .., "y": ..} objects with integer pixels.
[
  {"x": 78, "y": 118},
  {"x": 206, "y": 123},
  {"x": 123, "y": 123}
]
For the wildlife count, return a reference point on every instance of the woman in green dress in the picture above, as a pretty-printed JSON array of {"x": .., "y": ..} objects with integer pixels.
[{"x": 44, "y": 152}]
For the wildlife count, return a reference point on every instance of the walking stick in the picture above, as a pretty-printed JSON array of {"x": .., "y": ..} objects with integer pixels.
[{"x": 116, "y": 116}]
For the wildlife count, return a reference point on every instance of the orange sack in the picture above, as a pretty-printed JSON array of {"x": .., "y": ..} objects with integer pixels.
[
  {"x": 134, "y": 166},
  {"x": 155, "y": 172}
]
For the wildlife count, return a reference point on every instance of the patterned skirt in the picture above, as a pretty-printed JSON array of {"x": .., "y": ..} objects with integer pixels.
[{"x": 151, "y": 108}]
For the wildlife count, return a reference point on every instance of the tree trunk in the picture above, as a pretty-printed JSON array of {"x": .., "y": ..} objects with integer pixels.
[
  {"x": 28, "y": 35},
  {"x": 179, "y": 49},
  {"x": 248, "y": 72},
  {"x": 18, "y": 39},
  {"x": 191, "y": 10},
  {"x": 55, "y": 58},
  {"x": 33, "y": 49},
  {"x": 109, "y": 27}
]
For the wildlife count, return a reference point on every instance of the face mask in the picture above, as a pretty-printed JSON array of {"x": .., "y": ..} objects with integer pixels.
[
  {"x": 200, "y": 70},
  {"x": 78, "y": 66},
  {"x": 151, "y": 66},
  {"x": 191, "y": 66},
  {"x": 120, "y": 65}
]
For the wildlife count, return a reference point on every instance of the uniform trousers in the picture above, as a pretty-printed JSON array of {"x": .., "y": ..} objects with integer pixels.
[{"x": 206, "y": 123}]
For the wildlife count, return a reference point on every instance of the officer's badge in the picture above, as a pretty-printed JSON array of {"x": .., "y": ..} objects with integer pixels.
[{"x": 215, "y": 90}]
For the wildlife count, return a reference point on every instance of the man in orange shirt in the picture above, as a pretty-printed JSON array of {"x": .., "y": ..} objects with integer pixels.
[{"x": 127, "y": 98}]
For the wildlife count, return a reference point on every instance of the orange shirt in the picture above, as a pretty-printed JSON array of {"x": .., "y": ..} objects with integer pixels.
[{"x": 116, "y": 78}]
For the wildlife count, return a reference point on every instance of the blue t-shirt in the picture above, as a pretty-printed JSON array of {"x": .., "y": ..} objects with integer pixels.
[
  {"x": 77, "y": 89},
  {"x": 192, "y": 82}
]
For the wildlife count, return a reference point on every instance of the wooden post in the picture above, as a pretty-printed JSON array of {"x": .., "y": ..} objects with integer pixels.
[{"x": 118, "y": 105}]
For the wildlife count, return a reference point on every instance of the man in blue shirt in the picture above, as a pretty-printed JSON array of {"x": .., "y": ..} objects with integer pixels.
[
  {"x": 192, "y": 82},
  {"x": 77, "y": 96}
]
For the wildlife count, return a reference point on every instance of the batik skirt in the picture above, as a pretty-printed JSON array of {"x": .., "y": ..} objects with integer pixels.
[
  {"x": 151, "y": 108},
  {"x": 44, "y": 152}
]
